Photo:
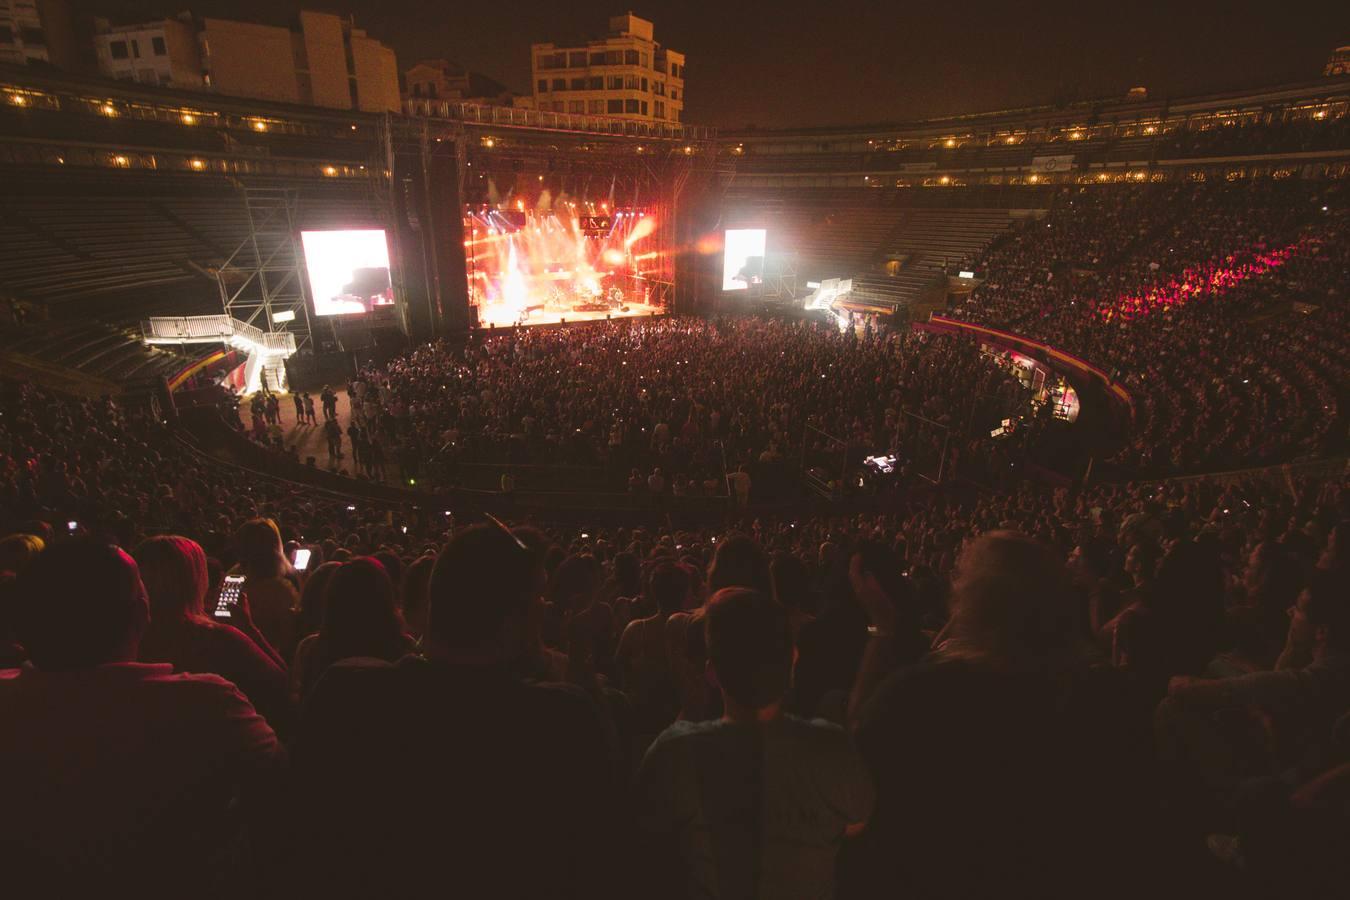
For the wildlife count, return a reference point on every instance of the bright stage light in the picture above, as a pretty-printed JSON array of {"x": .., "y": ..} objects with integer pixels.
[
  {"x": 743, "y": 258},
  {"x": 348, "y": 271},
  {"x": 555, "y": 266}
]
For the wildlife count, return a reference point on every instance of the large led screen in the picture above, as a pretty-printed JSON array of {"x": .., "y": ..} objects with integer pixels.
[
  {"x": 348, "y": 271},
  {"x": 743, "y": 262}
]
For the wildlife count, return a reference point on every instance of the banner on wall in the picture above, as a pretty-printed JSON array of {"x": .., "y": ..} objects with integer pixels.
[{"x": 1052, "y": 163}]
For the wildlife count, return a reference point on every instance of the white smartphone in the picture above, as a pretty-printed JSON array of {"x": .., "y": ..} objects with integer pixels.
[
  {"x": 228, "y": 600},
  {"x": 301, "y": 561}
]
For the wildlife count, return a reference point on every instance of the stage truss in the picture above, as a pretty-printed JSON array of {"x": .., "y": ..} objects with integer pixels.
[{"x": 262, "y": 282}]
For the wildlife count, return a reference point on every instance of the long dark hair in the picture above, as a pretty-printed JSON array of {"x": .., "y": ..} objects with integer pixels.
[
  {"x": 312, "y": 598},
  {"x": 360, "y": 617}
]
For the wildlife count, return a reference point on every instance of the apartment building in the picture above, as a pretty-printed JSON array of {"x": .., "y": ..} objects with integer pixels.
[
  {"x": 320, "y": 59},
  {"x": 163, "y": 52},
  {"x": 37, "y": 31},
  {"x": 626, "y": 73}
]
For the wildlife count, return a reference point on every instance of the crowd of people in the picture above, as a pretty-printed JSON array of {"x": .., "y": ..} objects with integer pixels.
[
  {"x": 1220, "y": 308},
  {"x": 674, "y": 406},
  {"x": 972, "y": 692},
  {"x": 215, "y": 682}
]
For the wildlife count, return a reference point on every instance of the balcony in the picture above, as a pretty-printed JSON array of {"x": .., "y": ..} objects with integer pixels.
[{"x": 511, "y": 117}]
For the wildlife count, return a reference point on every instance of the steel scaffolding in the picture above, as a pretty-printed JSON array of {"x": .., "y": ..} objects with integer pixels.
[{"x": 262, "y": 281}]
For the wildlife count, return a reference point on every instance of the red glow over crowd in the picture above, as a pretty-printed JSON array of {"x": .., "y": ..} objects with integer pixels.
[{"x": 1211, "y": 280}]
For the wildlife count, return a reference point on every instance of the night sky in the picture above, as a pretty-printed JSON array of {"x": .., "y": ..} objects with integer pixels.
[{"x": 781, "y": 64}]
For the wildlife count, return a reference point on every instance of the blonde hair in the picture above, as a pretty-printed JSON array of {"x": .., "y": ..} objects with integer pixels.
[
  {"x": 1011, "y": 603},
  {"x": 173, "y": 570},
  {"x": 18, "y": 550}
]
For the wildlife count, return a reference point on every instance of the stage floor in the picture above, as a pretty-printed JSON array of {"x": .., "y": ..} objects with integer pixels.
[{"x": 499, "y": 315}]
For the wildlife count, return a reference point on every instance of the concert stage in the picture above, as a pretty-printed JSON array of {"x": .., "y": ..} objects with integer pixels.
[{"x": 572, "y": 263}]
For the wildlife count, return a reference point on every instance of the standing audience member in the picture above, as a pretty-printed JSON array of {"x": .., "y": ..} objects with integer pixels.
[
  {"x": 270, "y": 583},
  {"x": 1225, "y": 730},
  {"x": 174, "y": 572},
  {"x": 981, "y": 754},
  {"x": 758, "y": 802},
  {"x": 413, "y": 596},
  {"x": 642, "y": 660},
  {"x": 360, "y": 623},
  {"x": 116, "y": 772},
  {"x": 518, "y": 772}
]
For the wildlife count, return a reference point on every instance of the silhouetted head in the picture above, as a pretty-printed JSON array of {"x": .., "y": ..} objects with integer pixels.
[
  {"x": 81, "y": 604},
  {"x": 749, "y": 646}
]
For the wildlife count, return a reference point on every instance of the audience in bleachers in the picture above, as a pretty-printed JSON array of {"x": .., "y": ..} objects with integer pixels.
[{"x": 1225, "y": 373}]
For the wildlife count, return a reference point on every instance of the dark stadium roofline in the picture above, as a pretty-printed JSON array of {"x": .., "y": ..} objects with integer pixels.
[{"x": 1102, "y": 108}]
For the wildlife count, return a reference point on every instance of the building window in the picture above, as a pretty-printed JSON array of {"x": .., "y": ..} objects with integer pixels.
[
  {"x": 595, "y": 107},
  {"x": 560, "y": 84},
  {"x": 576, "y": 106},
  {"x": 136, "y": 49},
  {"x": 576, "y": 59},
  {"x": 553, "y": 60},
  {"x": 630, "y": 57},
  {"x": 559, "y": 106},
  {"x": 644, "y": 60},
  {"x": 598, "y": 58},
  {"x": 674, "y": 93},
  {"x": 158, "y": 44},
  {"x": 578, "y": 84},
  {"x": 543, "y": 86},
  {"x": 630, "y": 106},
  {"x": 660, "y": 107},
  {"x": 417, "y": 90},
  {"x": 119, "y": 49},
  {"x": 630, "y": 82},
  {"x": 644, "y": 107},
  {"x": 613, "y": 57},
  {"x": 659, "y": 88},
  {"x": 614, "y": 82},
  {"x": 596, "y": 83},
  {"x": 615, "y": 106}
]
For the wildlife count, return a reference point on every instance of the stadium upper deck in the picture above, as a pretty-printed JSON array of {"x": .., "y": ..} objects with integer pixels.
[{"x": 1091, "y": 141}]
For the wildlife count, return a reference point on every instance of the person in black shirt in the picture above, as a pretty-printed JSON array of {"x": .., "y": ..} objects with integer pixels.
[
  {"x": 449, "y": 775},
  {"x": 1013, "y": 762}
]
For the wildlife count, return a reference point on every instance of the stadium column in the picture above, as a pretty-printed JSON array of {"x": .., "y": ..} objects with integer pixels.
[{"x": 428, "y": 173}]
